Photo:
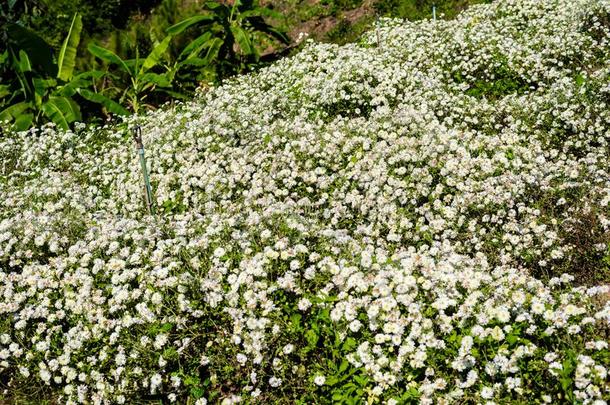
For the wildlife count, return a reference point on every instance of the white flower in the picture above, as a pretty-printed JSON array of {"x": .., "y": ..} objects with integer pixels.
[
  {"x": 45, "y": 375},
  {"x": 155, "y": 382},
  {"x": 319, "y": 380},
  {"x": 241, "y": 358},
  {"x": 304, "y": 304},
  {"x": 275, "y": 382},
  {"x": 487, "y": 393},
  {"x": 219, "y": 252}
]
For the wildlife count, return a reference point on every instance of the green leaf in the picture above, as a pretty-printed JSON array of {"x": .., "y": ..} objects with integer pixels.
[
  {"x": 13, "y": 111},
  {"x": 195, "y": 46},
  {"x": 155, "y": 55},
  {"x": 295, "y": 322},
  {"x": 108, "y": 56},
  {"x": 259, "y": 24},
  {"x": 24, "y": 62},
  {"x": 312, "y": 337},
  {"x": 243, "y": 40},
  {"x": 197, "y": 392},
  {"x": 39, "y": 52},
  {"x": 23, "y": 122},
  {"x": 40, "y": 89},
  {"x": 214, "y": 46},
  {"x": 156, "y": 79},
  {"x": 171, "y": 353},
  {"x": 212, "y": 5},
  {"x": 80, "y": 81},
  {"x": 166, "y": 327},
  {"x": 198, "y": 62},
  {"x": 349, "y": 344},
  {"x": 184, "y": 24},
  {"x": 62, "y": 111},
  {"x": 213, "y": 50},
  {"x": 4, "y": 91},
  {"x": 67, "y": 55},
  {"x": 98, "y": 98}
]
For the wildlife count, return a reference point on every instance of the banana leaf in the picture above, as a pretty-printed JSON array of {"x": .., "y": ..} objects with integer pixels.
[
  {"x": 155, "y": 55},
  {"x": 184, "y": 24},
  {"x": 67, "y": 56},
  {"x": 108, "y": 56},
  {"x": 39, "y": 52},
  {"x": 62, "y": 111},
  {"x": 23, "y": 122},
  {"x": 109, "y": 104},
  {"x": 243, "y": 40}
]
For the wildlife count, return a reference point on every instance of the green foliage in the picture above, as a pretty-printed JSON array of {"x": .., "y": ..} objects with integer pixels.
[
  {"x": 29, "y": 69},
  {"x": 52, "y": 18},
  {"x": 135, "y": 79},
  {"x": 67, "y": 56},
  {"x": 39, "y": 87},
  {"x": 229, "y": 37}
]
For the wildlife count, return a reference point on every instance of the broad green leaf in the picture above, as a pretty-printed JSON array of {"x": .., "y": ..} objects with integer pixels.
[
  {"x": 40, "y": 88},
  {"x": 194, "y": 62},
  {"x": 242, "y": 39},
  {"x": 195, "y": 46},
  {"x": 24, "y": 62},
  {"x": 23, "y": 122},
  {"x": 67, "y": 55},
  {"x": 108, "y": 56},
  {"x": 267, "y": 29},
  {"x": 80, "y": 81},
  {"x": 92, "y": 74},
  {"x": 155, "y": 55},
  {"x": 211, "y": 55},
  {"x": 213, "y": 50},
  {"x": 98, "y": 98},
  {"x": 4, "y": 91},
  {"x": 156, "y": 79},
  {"x": 13, "y": 111},
  {"x": 212, "y": 5},
  {"x": 71, "y": 88},
  {"x": 55, "y": 114},
  {"x": 62, "y": 111},
  {"x": 184, "y": 24},
  {"x": 39, "y": 52}
]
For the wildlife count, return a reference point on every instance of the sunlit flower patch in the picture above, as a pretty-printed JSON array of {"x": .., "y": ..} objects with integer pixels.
[{"x": 422, "y": 218}]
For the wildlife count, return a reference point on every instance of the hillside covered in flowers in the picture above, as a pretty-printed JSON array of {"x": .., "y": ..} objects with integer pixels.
[{"x": 423, "y": 216}]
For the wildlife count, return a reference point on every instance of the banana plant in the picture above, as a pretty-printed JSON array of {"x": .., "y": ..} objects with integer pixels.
[
  {"x": 135, "y": 80},
  {"x": 44, "y": 86},
  {"x": 228, "y": 36}
]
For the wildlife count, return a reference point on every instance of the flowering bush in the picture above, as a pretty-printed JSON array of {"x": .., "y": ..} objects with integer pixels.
[{"x": 423, "y": 218}]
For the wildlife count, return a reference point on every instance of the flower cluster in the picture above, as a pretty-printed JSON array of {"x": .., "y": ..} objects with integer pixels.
[{"x": 423, "y": 215}]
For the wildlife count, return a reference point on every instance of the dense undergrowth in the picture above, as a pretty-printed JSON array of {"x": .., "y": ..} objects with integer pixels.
[{"x": 422, "y": 216}]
